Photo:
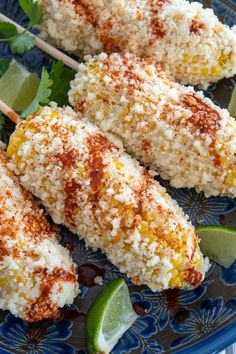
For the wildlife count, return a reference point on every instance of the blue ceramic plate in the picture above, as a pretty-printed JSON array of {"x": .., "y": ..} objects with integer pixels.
[{"x": 199, "y": 321}]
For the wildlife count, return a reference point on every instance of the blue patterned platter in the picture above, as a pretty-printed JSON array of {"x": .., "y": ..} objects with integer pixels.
[{"x": 199, "y": 321}]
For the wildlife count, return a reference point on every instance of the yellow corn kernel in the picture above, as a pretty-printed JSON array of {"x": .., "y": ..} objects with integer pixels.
[
  {"x": 118, "y": 164},
  {"x": 213, "y": 70},
  {"x": 53, "y": 115},
  {"x": 223, "y": 160},
  {"x": 195, "y": 60},
  {"x": 218, "y": 28},
  {"x": 124, "y": 114},
  {"x": 175, "y": 282},
  {"x": 80, "y": 170},
  {"x": 153, "y": 125},
  {"x": 21, "y": 244},
  {"x": 26, "y": 298},
  {"x": 176, "y": 262},
  {"x": 8, "y": 173},
  {"x": 20, "y": 279},
  {"x": 150, "y": 217},
  {"x": 143, "y": 227},
  {"x": 14, "y": 145},
  {"x": 51, "y": 200},
  {"x": 17, "y": 138},
  {"x": 117, "y": 237},
  {"x": 148, "y": 71},
  {"x": 11, "y": 148},
  {"x": 198, "y": 262},
  {"x": 231, "y": 179},
  {"x": 186, "y": 58},
  {"x": 223, "y": 59},
  {"x": 3, "y": 281},
  {"x": 204, "y": 71},
  {"x": 174, "y": 272},
  {"x": 145, "y": 230}
]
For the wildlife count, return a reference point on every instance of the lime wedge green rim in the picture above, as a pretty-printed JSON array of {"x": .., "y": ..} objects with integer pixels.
[
  {"x": 215, "y": 228},
  {"x": 92, "y": 329}
]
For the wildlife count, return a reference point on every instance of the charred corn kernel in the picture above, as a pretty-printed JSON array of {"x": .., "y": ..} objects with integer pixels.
[
  {"x": 31, "y": 258},
  {"x": 194, "y": 34},
  {"x": 172, "y": 128},
  {"x": 133, "y": 220}
]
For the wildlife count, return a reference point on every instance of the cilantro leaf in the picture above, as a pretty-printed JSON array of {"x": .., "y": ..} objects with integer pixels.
[
  {"x": 4, "y": 64},
  {"x": 7, "y": 30},
  {"x": 22, "y": 43},
  {"x": 33, "y": 10},
  {"x": 61, "y": 77},
  {"x": 42, "y": 95},
  {"x": 2, "y": 121}
]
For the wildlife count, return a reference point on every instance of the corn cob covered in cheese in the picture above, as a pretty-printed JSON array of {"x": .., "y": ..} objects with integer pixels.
[
  {"x": 90, "y": 185},
  {"x": 193, "y": 44},
  {"x": 37, "y": 275},
  {"x": 172, "y": 128}
]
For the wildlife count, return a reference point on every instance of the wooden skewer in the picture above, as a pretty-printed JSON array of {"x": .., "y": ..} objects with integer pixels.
[
  {"x": 55, "y": 53},
  {"x": 12, "y": 115}
]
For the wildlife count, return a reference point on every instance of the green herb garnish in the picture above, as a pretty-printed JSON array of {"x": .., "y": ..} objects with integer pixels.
[
  {"x": 42, "y": 95},
  {"x": 61, "y": 77},
  {"x": 33, "y": 10},
  {"x": 54, "y": 86},
  {"x": 25, "y": 93},
  {"x": 22, "y": 42}
]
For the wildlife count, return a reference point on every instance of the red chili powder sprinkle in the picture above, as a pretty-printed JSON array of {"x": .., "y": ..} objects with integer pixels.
[
  {"x": 71, "y": 188},
  {"x": 203, "y": 117},
  {"x": 192, "y": 276},
  {"x": 97, "y": 145},
  {"x": 157, "y": 27},
  {"x": 196, "y": 27},
  {"x": 103, "y": 29},
  {"x": 43, "y": 307},
  {"x": 67, "y": 158}
]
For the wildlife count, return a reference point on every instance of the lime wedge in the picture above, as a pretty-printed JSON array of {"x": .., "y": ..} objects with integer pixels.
[
  {"x": 218, "y": 243},
  {"x": 110, "y": 315},
  {"x": 232, "y": 103},
  {"x": 18, "y": 86}
]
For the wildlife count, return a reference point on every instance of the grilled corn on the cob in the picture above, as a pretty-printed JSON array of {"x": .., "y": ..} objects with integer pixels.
[
  {"x": 193, "y": 44},
  {"x": 169, "y": 127},
  {"x": 90, "y": 185},
  {"x": 37, "y": 275}
]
